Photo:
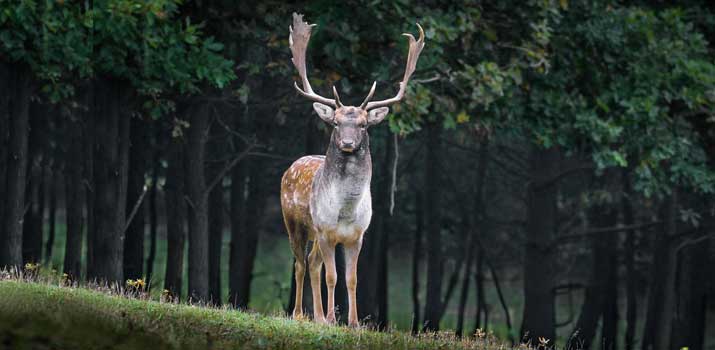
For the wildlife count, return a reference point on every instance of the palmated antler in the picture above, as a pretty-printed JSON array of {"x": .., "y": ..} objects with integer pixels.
[
  {"x": 416, "y": 47},
  {"x": 298, "y": 39}
]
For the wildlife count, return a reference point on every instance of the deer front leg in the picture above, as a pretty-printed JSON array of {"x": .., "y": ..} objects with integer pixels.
[
  {"x": 327, "y": 250},
  {"x": 352, "y": 251},
  {"x": 315, "y": 265}
]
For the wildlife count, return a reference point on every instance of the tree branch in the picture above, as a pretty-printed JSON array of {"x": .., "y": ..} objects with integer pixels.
[
  {"x": 229, "y": 166},
  {"x": 601, "y": 230},
  {"x": 135, "y": 208}
]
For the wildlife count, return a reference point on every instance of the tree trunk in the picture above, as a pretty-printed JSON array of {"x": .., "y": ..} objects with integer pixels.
[
  {"x": 216, "y": 208},
  {"x": 433, "y": 302},
  {"x": 479, "y": 294},
  {"x": 238, "y": 226},
  {"x": 416, "y": 257},
  {"x": 32, "y": 220},
  {"x": 90, "y": 190},
  {"x": 248, "y": 241},
  {"x": 54, "y": 187},
  {"x": 598, "y": 300},
  {"x": 692, "y": 305},
  {"x": 465, "y": 288},
  {"x": 111, "y": 132},
  {"x": 176, "y": 213},
  {"x": 216, "y": 224},
  {"x": 198, "y": 203},
  {"x": 629, "y": 257},
  {"x": 539, "y": 309},
  {"x": 507, "y": 315},
  {"x": 75, "y": 194},
  {"x": 134, "y": 243},
  {"x": 11, "y": 234},
  {"x": 5, "y": 86},
  {"x": 609, "y": 331},
  {"x": 384, "y": 244},
  {"x": 663, "y": 330},
  {"x": 153, "y": 211},
  {"x": 655, "y": 294}
]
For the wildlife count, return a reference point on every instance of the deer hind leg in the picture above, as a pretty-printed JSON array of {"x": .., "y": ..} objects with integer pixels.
[
  {"x": 298, "y": 241},
  {"x": 315, "y": 265},
  {"x": 327, "y": 251}
]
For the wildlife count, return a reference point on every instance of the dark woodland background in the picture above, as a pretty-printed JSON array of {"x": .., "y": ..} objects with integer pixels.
[{"x": 551, "y": 167}]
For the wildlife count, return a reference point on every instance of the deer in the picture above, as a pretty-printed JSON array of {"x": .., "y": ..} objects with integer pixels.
[{"x": 325, "y": 199}]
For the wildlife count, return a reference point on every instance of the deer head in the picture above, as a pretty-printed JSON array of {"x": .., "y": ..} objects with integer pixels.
[{"x": 350, "y": 123}]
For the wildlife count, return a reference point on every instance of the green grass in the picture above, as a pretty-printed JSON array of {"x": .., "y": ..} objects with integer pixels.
[{"x": 45, "y": 315}]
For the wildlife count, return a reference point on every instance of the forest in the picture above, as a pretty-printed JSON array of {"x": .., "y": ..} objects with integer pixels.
[{"x": 548, "y": 177}]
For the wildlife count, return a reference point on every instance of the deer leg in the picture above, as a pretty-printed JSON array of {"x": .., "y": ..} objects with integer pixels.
[
  {"x": 315, "y": 265},
  {"x": 352, "y": 251},
  {"x": 298, "y": 247},
  {"x": 327, "y": 250}
]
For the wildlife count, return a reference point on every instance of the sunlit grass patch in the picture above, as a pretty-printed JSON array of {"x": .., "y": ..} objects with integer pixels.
[{"x": 45, "y": 313}]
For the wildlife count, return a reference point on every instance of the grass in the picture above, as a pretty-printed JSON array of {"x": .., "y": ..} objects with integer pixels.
[
  {"x": 270, "y": 289},
  {"x": 47, "y": 315}
]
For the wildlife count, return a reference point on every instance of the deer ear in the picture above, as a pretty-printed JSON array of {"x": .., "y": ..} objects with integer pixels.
[
  {"x": 324, "y": 112},
  {"x": 376, "y": 115}
]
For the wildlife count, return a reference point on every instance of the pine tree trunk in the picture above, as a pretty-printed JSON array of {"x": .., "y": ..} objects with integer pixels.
[
  {"x": 238, "y": 225},
  {"x": 248, "y": 242},
  {"x": 75, "y": 190},
  {"x": 111, "y": 132},
  {"x": 134, "y": 242},
  {"x": 176, "y": 213},
  {"x": 384, "y": 245},
  {"x": 216, "y": 208},
  {"x": 153, "y": 214},
  {"x": 216, "y": 224},
  {"x": 88, "y": 93},
  {"x": 629, "y": 257},
  {"x": 5, "y": 86},
  {"x": 416, "y": 257},
  {"x": 609, "y": 327},
  {"x": 53, "y": 186},
  {"x": 539, "y": 309},
  {"x": 19, "y": 103},
  {"x": 197, "y": 135},
  {"x": 664, "y": 326},
  {"x": 689, "y": 330},
  {"x": 465, "y": 288},
  {"x": 433, "y": 302},
  {"x": 479, "y": 294},
  {"x": 34, "y": 203},
  {"x": 597, "y": 300}
]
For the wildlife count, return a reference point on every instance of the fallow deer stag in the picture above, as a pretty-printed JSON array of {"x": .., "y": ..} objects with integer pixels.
[{"x": 326, "y": 199}]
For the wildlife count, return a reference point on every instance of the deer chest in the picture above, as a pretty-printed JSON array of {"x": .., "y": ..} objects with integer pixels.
[{"x": 342, "y": 209}]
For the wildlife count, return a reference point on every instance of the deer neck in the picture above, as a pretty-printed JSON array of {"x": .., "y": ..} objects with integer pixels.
[{"x": 345, "y": 180}]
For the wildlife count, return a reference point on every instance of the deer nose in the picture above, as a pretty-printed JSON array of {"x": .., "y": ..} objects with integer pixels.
[{"x": 347, "y": 145}]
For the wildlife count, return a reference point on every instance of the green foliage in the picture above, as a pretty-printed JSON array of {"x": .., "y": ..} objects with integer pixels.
[
  {"x": 623, "y": 81},
  {"x": 142, "y": 42},
  {"x": 49, "y": 37}
]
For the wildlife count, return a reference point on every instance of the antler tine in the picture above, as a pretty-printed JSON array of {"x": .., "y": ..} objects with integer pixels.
[
  {"x": 369, "y": 95},
  {"x": 298, "y": 40},
  {"x": 337, "y": 97},
  {"x": 416, "y": 47}
]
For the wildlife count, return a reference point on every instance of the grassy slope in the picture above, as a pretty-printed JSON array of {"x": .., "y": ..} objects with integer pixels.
[{"x": 34, "y": 315}]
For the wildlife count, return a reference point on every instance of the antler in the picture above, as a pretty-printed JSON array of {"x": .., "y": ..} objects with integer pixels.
[
  {"x": 298, "y": 39},
  {"x": 416, "y": 47}
]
